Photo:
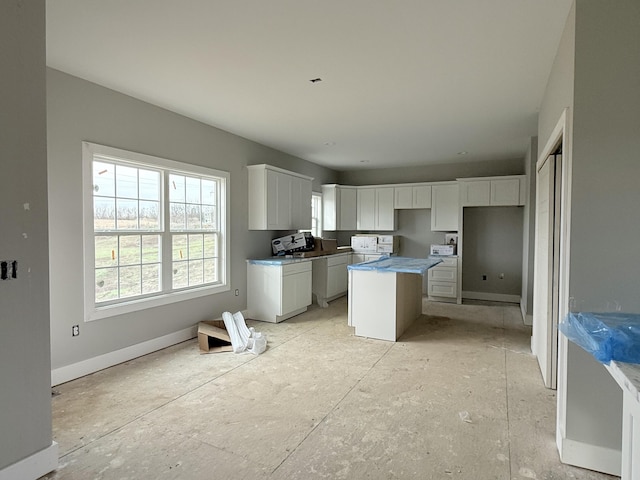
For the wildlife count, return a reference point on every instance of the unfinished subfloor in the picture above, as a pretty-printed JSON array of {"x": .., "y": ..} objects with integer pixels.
[{"x": 459, "y": 396}]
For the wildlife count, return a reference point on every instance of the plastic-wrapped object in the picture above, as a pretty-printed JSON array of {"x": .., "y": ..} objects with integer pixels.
[
  {"x": 243, "y": 338},
  {"x": 606, "y": 336}
]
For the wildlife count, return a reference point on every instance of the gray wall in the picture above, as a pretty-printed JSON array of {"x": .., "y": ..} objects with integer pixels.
[
  {"x": 605, "y": 194},
  {"x": 492, "y": 246},
  {"x": 596, "y": 74},
  {"x": 25, "y": 394},
  {"x": 431, "y": 173},
  {"x": 528, "y": 231},
  {"x": 79, "y": 110}
]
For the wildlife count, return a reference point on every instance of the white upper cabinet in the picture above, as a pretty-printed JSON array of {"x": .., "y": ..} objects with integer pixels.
[
  {"x": 339, "y": 207},
  {"x": 366, "y": 219},
  {"x": 412, "y": 196},
  {"x": 375, "y": 209},
  {"x": 278, "y": 199},
  {"x": 493, "y": 191},
  {"x": 445, "y": 207}
]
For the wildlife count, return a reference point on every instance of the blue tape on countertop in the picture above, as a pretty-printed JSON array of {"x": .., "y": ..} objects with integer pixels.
[{"x": 398, "y": 265}]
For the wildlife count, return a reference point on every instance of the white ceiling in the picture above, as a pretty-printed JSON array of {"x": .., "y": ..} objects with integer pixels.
[{"x": 404, "y": 83}]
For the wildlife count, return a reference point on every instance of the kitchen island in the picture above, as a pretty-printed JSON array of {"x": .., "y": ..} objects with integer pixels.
[{"x": 385, "y": 295}]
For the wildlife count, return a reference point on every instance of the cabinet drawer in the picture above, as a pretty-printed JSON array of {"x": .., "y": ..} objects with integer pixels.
[
  {"x": 293, "y": 268},
  {"x": 447, "y": 262},
  {"x": 442, "y": 289},
  {"x": 443, "y": 274},
  {"x": 337, "y": 260}
]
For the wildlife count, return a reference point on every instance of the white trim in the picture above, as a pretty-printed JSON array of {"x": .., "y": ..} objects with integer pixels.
[
  {"x": 592, "y": 457},
  {"x": 491, "y": 297},
  {"x": 34, "y": 466},
  {"x": 526, "y": 319},
  {"x": 95, "y": 364}
]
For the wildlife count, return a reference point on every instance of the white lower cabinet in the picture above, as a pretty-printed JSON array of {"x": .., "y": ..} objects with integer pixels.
[
  {"x": 278, "y": 292},
  {"x": 364, "y": 257},
  {"x": 442, "y": 280},
  {"x": 330, "y": 278}
]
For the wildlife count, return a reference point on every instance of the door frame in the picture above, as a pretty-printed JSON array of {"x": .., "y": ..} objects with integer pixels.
[{"x": 562, "y": 133}]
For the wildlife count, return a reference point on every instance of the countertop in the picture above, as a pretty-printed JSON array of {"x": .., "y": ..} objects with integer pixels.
[
  {"x": 286, "y": 260},
  {"x": 628, "y": 377},
  {"x": 398, "y": 265}
]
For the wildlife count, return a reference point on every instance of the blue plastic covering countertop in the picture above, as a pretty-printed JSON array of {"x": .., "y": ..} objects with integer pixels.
[
  {"x": 398, "y": 265},
  {"x": 606, "y": 336}
]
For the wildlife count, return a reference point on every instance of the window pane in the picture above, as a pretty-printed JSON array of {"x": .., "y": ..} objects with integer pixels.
[
  {"x": 151, "y": 249},
  {"x": 180, "y": 275},
  {"x": 193, "y": 217},
  {"x": 208, "y": 217},
  {"x": 149, "y": 215},
  {"x": 149, "y": 185},
  {"x": 104, "y": 214},
  {"x": 176, "y": 188},
  {"x": 127, "y": 214},
  {"x": 195, "y": 246},
  {"x": 195, "y": 272},
  {"x": 193, "y": 190},
  {"x": 130, "y": 281},
  {"x": 179, "y": 247},
  {"x": 210, "y": 249},
  {"x": 104, "y": 179},
  {"x": 209, "y": 192},
  {"x": 210, "y": 271},
  {"x": 106, "y": 284},
  {"x": 126, "y": 181},
  {"x": 178, "y": 216},
  {"x": 106, "y": 252},
  {"x": 129, "y": 250},
  {"x": 150, "y": 278}
]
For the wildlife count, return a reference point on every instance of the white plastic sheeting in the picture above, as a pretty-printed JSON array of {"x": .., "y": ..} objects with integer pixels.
[{"x": 243, "y": 338}]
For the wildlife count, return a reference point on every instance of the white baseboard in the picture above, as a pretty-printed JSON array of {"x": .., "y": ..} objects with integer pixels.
[
  {"x": 591, "y": 457},
  {"x": 527, "y": 319},
  {"x": 34, "y": 466},
  {"x": 95, "y": 364},
  {"x": 491, "y": 297}
]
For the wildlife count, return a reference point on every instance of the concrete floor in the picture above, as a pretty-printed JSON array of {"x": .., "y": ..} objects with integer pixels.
[{"x": 460, "y": 396}]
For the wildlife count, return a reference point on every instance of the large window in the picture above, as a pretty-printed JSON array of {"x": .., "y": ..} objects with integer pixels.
[{"x": 155, "y": 231}]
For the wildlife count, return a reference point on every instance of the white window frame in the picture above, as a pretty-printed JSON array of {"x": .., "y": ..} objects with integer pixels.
[
  {"x": 317, "y": 199},
  {"x": 166, "y": 296}
]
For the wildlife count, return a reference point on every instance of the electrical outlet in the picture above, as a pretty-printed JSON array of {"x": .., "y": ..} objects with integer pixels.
[
  {"x": 237, "y": 292},
  {"x": 75, "y": 330}
]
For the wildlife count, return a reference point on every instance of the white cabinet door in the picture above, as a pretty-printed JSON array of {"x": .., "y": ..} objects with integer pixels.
[
  {"x": 421, "y": 196},
  {"x": 384, "y": 214},
  {"x": 337, "y": 280},
  {"x": 366, "y": 207},
  {"x": 300, "y": 204},
  {"x": 476, "y": 193},
  {"x": 296, "y": 292},
  {"x": 348, "y": 210},
  {"x": 278, "y": 199},
  {"x": 403, "y": 197},
  {"x": 444, "y": 208},
  {"x": 505, "y": 192},
  {"x": 412, "y": 196}
]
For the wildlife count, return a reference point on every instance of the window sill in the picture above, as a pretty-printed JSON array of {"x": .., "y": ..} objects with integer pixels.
[{"x": 96, "y": 313}]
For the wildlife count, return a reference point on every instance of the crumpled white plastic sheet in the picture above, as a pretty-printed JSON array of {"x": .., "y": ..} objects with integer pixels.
[{"x": 243, "y": 338}]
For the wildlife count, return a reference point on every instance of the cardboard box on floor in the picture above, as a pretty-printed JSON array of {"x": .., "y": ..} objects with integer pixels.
[{"x": 213, "y": 337}]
